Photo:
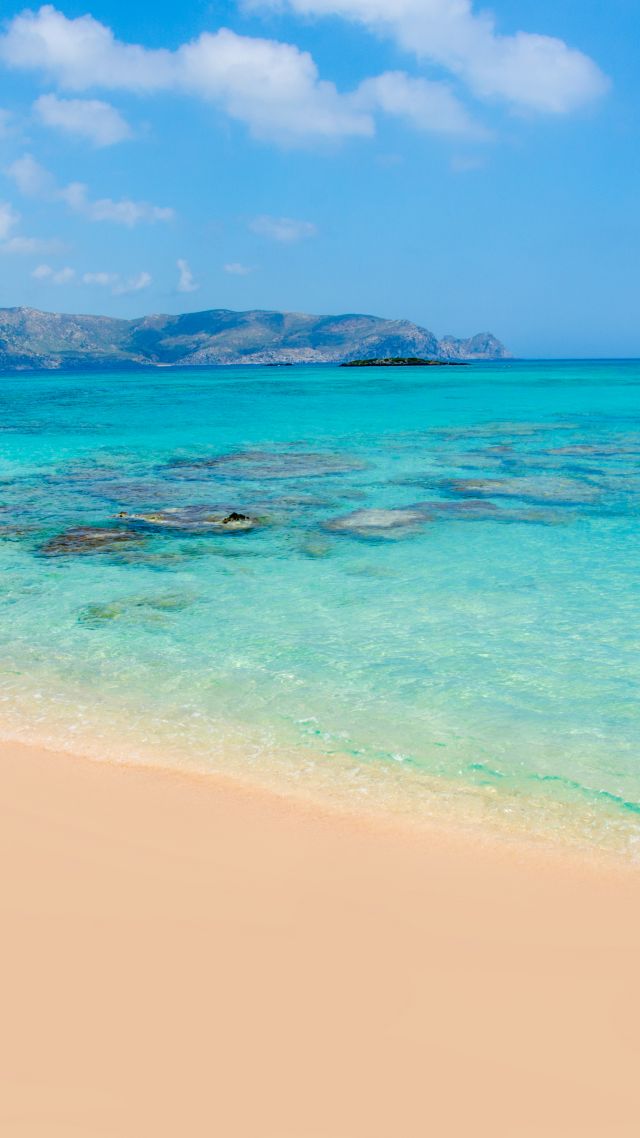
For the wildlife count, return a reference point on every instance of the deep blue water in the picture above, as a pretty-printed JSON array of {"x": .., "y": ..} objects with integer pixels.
[{"x": 436, "y": 610}]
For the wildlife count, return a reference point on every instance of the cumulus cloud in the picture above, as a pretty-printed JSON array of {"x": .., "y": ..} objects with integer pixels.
[
  {"x": 273, "y": 87},
  {"x": 425, "y": 104},
  {"x": 56, "y": 276},
  {"x": 91, "y": 119},
  {"x": 284, "y": 229},
  {"x": 237, "y": 269},
  {"x": 34, "y": 181},
  {"x": 186, "y": 281},
  {"x": 529, "y": 71}
]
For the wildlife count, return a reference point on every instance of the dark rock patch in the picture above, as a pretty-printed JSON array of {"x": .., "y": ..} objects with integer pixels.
[{"x": 90, "y": 539}]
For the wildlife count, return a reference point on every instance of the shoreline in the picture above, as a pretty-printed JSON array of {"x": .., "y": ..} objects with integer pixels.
[
  {"x": 188, "y": 955},
  {"x": 385, "y": 795}
]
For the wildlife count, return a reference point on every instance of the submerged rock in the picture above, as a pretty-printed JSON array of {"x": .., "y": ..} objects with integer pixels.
[
  {"x": 467, "y": 508},
  {"x": 480, "y": 509},
  {"x": 90, "y": 539},
  {"x": 267, "y": 465},
  {"x": 542, "y": 489},
  {"x": 501, "y": 429},
  {"x": 596, "y": 450},
  {"x": 194, "y": 519},
  {"x": 135, "y": 609},
  {"x": 378, "y": 522}
]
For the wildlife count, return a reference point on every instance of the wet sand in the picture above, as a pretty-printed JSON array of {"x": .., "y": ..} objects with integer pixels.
[{"x": 181, "y": 956}]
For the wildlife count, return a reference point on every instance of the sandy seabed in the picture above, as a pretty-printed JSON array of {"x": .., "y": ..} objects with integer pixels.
[{"x": 183, "y": 957}]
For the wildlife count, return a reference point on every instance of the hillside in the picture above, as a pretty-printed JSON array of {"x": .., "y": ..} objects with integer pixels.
[{"x": 31, "y": 339}]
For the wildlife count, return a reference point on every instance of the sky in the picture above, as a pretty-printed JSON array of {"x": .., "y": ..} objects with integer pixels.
[{"x": 465, "y": 167}]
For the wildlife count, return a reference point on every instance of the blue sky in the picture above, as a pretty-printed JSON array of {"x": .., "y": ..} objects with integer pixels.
[{"x": 411, "y": 158}]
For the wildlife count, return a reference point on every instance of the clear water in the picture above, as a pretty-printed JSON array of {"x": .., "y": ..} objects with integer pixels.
[{"x": 475, "y": 652}]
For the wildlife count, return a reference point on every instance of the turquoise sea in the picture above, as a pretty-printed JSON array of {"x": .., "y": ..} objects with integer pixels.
[{"x": 436, "y": 611}]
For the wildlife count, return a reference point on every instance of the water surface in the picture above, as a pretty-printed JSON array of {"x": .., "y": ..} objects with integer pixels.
[{"x": 436, "y": 609}]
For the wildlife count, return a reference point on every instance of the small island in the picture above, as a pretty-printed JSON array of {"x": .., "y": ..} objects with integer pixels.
[{"x": 404, "y": 361}]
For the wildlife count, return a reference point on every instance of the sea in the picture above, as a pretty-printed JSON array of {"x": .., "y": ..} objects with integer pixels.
[{"x": 409, "y": 591}]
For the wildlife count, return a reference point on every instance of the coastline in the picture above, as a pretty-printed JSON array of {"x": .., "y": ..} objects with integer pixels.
[{"x": 187, "y": 954}]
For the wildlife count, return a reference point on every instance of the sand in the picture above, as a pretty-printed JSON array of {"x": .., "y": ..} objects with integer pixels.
[{"x": 184, "y": 957}]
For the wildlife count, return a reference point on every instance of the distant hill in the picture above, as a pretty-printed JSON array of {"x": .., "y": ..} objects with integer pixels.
[{"x": 31, "y": 339}]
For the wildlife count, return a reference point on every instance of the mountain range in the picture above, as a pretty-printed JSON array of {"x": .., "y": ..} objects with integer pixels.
[{"x": 31, "y": 339}]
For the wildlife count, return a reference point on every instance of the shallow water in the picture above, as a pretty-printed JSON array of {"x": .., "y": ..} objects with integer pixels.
[{"x": 435, "y": 610}]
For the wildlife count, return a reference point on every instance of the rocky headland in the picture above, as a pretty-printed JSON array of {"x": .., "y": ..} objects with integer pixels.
[{"x": 30, "y": 339}]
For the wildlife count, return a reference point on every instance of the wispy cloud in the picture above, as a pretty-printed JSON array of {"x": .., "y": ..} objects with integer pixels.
[
  {"x": 237, "y": 269},
  {"x": 466, "y": 163},
  {"x": 90, "y": 119},
  {"x": 118, "y": 285},
  {"x": 104, "y": 280},
  {"x": 56, "y": 276},
  {"x": 34, "y": 181},
  {"x": 133, "y": 284},
  {"x": 8, "y": 219},
  {"x": 186, "y": 281},
  {"x": 284, "y": 229},
  {"x": 6, "y": 122},
  {"x": 11, "y": 242}
]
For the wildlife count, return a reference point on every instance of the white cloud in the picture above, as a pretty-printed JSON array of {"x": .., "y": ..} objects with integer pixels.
[
  {"x": 133, "y": 284},
  {"x": 115, "y": 282},
  {"x": 8, "y": 219},
  {"x": 273, "y": 87},
  {"x": 31, "y": 178},
  {"x": 425, "y": 104},
  {"x": 284, "y": 229},
  {"x": 83, "y": 53},
  {"x": 90, "y": 119},
  {"x": 236, "y": 269},
  {"x": 11, "y": 242},
  {"x": 34, "y": 181},
  {"x": 123, "y": 212},
  {"x": 466, "y": 163},
  {"x": 186, "y": 281},
  {"x": 32, "y": 246},
  {"x": 56, "y": 276},
  {"x": 102, "y": 279},
  {"x": 528, "y": 71},
  {"x": 5, "y": 123}
]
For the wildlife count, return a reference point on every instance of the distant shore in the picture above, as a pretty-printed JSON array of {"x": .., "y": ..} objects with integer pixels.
[{"x": 182, "y": 955}]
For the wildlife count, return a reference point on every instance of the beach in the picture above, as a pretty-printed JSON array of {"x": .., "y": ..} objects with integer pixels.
[{"x": 185, "y": 956}]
